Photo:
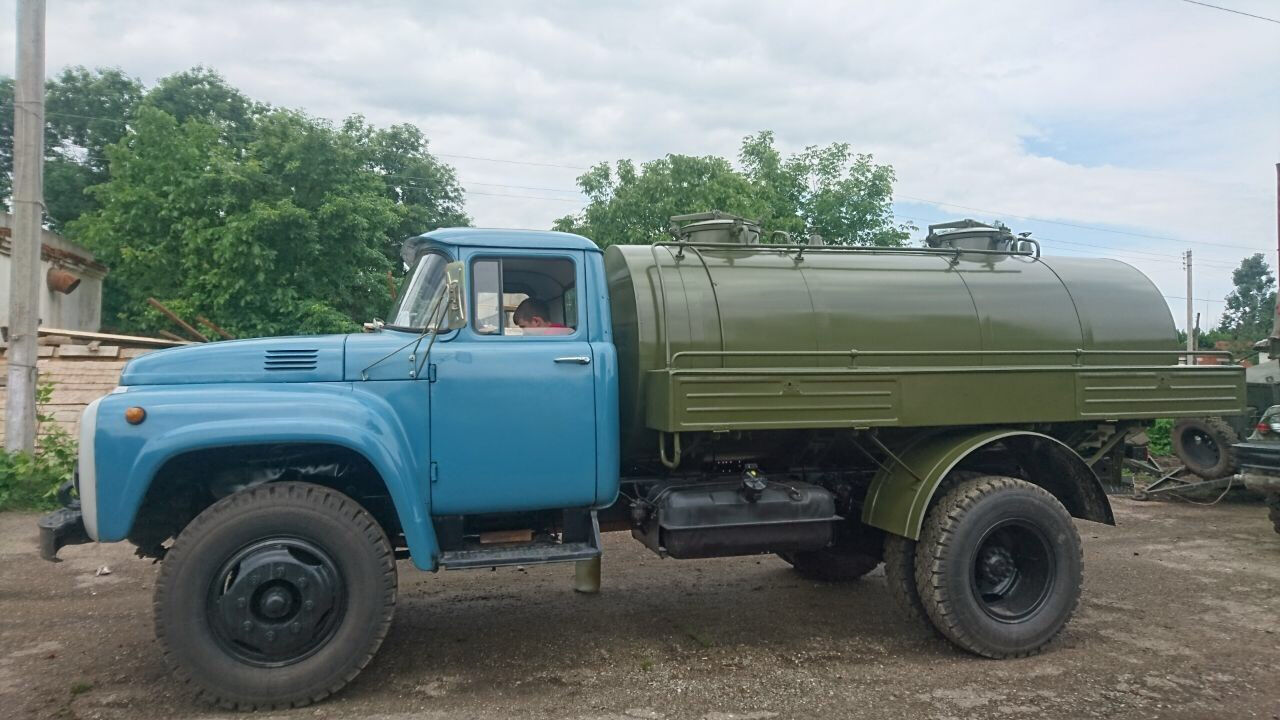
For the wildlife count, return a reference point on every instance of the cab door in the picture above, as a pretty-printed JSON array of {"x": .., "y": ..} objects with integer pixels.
[{"x": 513, "y": 412}]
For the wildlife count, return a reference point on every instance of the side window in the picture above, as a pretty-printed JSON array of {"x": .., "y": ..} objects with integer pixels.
[{"x": 524, "y": 296}]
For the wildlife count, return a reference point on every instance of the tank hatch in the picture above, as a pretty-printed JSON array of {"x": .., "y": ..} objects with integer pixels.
[
  {"x": 970, "y": 234},
  {"x": 715, "y": 227}
]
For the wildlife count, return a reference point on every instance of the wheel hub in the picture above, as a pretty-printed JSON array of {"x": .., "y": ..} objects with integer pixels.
[
  {"x": 997, "y": 569},
  {"x": 1013, "y": 571},
  {"x": 275, "y": 602}
]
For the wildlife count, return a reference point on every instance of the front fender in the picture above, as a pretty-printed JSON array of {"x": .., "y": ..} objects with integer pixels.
[
  {"x": 901, "y": 492},
  {"x": 180, "y": 419}
]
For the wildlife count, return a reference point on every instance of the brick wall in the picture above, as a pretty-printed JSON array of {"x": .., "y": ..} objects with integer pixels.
[{"x": 80, "y": 374}]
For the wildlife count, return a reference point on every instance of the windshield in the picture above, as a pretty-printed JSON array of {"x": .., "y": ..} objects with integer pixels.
[{"x": 421, "y": 292}]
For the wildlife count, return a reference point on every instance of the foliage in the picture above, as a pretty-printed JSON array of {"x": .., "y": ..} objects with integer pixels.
[
  {"x": 1158, "y": 438},
  {"x": 830, "y": 191},
  {"x": 267, "y": 221},
  {"x": 30, "y": 481},
  {"x": 1250, "y": 306},
  {"x": 85, "y": 113}
]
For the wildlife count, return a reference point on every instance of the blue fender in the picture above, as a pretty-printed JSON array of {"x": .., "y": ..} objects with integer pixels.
[
  {"x": 903, "y": 488},
  {"x": 385, "y": 422}
]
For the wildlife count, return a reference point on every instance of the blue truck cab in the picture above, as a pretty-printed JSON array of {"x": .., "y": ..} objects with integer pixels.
[{"x": 456, "y": 433}]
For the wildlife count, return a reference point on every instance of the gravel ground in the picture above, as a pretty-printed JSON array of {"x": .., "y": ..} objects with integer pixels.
[{"x": 1180, "y": 619}]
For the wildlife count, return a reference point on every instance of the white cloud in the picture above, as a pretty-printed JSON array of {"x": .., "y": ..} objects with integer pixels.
[{"x": 1161, "y": 117}]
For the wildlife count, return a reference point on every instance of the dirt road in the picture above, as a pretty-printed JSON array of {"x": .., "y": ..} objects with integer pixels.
[{"x": 1180, "y": 619}]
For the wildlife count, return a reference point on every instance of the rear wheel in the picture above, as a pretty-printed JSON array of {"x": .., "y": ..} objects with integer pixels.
[
  {"x": 275, "y": 596},
  {"x": 1273, "y": 511},
  {"x": 999, "y": 566},
  {"x": 1204, "y": 446}
]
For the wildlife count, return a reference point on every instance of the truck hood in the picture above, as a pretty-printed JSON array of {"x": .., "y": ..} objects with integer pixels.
[{"x": 315, "y": 358}]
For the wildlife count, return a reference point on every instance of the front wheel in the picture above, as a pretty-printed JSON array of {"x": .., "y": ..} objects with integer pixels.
[
  {"x": 999, "y": 566},
  {"x": 275, "y": 597}
]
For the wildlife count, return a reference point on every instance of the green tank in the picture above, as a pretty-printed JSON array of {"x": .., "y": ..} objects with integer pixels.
[{"x": 718, "y": 331}]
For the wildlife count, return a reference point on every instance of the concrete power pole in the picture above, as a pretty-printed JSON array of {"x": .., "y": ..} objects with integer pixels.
[
  {"x": 28, "y": 217},
  {"x": 1191, "y": 332},
  {"x": 1274, "y": 349}
]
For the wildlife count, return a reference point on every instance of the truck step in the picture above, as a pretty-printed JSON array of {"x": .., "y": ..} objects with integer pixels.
[{"x": 531, "y": 553}]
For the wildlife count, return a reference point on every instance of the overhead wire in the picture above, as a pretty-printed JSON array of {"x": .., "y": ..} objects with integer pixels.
[{"x": 1233, "y": 11}]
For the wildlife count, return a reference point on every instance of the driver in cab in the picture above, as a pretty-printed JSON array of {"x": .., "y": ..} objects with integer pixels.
[{"x": 533, "y": 317}]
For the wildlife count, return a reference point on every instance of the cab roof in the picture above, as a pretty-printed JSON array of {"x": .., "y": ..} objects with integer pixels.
[{"x": 497, "y": 237}]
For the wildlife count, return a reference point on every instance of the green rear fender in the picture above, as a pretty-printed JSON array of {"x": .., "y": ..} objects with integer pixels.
[{"x": 903, "y": 489}]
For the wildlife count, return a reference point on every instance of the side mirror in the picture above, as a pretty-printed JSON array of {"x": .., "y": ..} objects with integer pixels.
[{"x": 455, "y": 313}]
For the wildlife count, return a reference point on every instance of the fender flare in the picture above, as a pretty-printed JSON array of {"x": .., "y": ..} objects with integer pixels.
[
  {"x": 359, "y": 425},
  {"x": 901, "y": 492}
]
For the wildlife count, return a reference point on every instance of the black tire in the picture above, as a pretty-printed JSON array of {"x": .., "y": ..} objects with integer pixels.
[
  {"x": 313, "y": 579},
  {"x": 1273, "y": 511},
  {"x": 1204, "y": 446},
  {"x": 999, "y": 567},
  {"x": 900, "y": 578}
]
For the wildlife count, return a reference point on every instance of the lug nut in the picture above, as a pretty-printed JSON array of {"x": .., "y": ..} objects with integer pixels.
[
  {"x": 296, "y": 628},
  {"x": 309, "y": 605},
  {"x": 247, "y": 626},
  {"x": 241, "y": 602},
  {"x": 271, "y": 635}
]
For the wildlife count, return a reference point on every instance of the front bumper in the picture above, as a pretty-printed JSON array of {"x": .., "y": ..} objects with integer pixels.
[{"x": 62, "y": 527}]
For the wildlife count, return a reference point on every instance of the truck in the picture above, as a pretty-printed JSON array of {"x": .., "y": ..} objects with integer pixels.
[{"x": 939, "y": 410}]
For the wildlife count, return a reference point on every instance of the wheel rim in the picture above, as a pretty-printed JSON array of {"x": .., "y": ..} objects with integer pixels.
[
  {"x": 276, "y": 602},
  {"x": 1200, "y": 448},
  {"x": 1013, "y": 571}
]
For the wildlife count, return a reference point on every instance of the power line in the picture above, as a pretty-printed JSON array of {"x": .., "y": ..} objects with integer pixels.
[
  {"x": 526, "y": 197},
  {"x": 1236, "y": 12},
  {"x": 1078, "y": 226},
  {"x": 512, "y": 162}
]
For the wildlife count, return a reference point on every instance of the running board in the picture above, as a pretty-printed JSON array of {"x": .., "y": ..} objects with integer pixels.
[{"x": 533, "y": 553}]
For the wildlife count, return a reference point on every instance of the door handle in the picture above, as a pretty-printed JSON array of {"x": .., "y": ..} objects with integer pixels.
[{"x": 575, "y": 359}]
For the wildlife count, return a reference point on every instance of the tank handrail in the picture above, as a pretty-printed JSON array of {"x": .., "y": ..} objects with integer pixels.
[
  {"x": 854, "y": 354},
  {"x": 944, "y": 252}
]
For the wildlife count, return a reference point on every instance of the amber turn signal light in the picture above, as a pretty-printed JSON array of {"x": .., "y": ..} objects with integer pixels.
[{"x": 135, "y": 415}]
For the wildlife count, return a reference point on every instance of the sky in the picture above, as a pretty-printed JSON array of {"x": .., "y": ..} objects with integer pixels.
[{"x": 1133, "y": 129}]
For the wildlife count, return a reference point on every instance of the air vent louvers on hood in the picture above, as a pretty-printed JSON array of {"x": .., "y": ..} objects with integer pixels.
[{"x": 296, "y": 359}]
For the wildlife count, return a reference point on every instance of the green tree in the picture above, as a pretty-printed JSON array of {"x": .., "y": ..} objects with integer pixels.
[
  {"x": 203, "y": 94},
  {"x": 629, "y": 206},
  {"x": 846, "y": 198},
  {"x": 85, "y": 112},
  {"x": 287, "y": 231},
  {"x": 1250, "y": 306}
]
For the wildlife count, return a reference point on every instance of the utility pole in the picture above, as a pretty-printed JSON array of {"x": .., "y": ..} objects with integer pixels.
[
  {"x": 1274, "y": 349},
  {"x": 28, "y": 217},
  {"x": 1191, "y": 346}
]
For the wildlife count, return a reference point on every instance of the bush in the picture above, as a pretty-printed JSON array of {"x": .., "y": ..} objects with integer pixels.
[
  {"x": 30, "y": 481},
  {"x": 1158, "y": 440}
]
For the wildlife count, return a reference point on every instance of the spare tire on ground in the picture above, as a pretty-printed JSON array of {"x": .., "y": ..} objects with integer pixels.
[{"x": 1204, "y": 446}]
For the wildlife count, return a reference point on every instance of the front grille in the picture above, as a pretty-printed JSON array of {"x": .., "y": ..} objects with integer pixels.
[{"x": 296, "y": 359}]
